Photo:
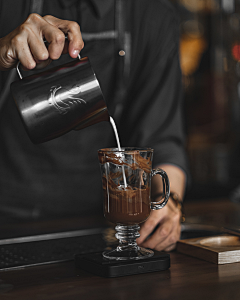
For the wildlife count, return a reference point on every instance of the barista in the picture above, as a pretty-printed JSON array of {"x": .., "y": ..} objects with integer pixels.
[{"x": 137, "y": 66}]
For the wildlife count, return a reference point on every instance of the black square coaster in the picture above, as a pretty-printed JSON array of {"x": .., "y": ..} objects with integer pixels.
[{"x": 95, "y": 263}]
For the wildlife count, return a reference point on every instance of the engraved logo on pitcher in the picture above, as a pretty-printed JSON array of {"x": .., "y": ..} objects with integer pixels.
[{"x": 62, "y": 99}]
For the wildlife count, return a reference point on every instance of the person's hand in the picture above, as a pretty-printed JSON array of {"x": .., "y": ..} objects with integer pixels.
[
  {"x": 168, "y": 231},
  {"x": 26, "y": 42}
]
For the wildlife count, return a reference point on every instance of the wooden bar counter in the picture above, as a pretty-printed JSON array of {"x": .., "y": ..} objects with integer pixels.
[{"x": 187, "y": 278}]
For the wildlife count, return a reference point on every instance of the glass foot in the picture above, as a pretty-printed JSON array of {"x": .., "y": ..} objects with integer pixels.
[
  {"x": 126, "y": 254},
  {"x": 127, "y": 248}
]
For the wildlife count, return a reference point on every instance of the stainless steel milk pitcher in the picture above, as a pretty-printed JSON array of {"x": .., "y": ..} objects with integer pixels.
[{"x": 55, "y": 101}]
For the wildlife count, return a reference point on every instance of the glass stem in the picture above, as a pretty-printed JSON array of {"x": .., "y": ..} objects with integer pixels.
[
  {"x": 127, "y": 247},
  {"x": 127, "y": 236}
]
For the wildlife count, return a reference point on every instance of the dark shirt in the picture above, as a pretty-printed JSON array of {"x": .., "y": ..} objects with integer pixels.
[{"x": 62, "y": 176}]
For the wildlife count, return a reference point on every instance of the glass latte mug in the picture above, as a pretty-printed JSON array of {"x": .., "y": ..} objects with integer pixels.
[{"x": 126, "y": 180}]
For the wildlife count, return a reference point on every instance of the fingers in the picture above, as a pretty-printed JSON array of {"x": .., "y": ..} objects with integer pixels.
[
  {"x": 72, "y": 29},
  {"x": 166, "y": 235},
  {"x": 9, "y": 54},
  {"x": 148, "y": 227},
  {"x": 26, "y": 43}
]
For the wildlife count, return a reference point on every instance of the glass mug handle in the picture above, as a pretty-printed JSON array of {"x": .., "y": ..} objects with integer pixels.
[{"x": 166, "y": 189}]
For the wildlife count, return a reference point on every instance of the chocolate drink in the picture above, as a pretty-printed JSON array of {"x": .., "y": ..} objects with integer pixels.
[
  {"x": 126, "y": 206},
  {"x": 126, "y": 184}
]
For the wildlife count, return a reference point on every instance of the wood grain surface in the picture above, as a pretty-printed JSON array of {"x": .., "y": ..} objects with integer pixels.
[{"x": 188, "y": 277}]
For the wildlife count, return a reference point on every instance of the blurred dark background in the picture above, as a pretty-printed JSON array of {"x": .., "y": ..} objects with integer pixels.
[{"x": 210, "y": 62}]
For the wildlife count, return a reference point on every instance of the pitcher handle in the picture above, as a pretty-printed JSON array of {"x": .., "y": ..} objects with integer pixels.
[
  {"x": 17, "y": 67},
  {"x": 166, "y": 189}
]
